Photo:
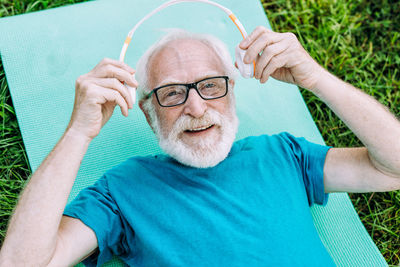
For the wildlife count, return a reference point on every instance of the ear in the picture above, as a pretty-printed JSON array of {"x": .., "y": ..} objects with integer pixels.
[{"x": 141, "y": 102}]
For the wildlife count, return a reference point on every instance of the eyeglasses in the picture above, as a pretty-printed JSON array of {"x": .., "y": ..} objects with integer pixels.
[{"x": 171, "y": 95}]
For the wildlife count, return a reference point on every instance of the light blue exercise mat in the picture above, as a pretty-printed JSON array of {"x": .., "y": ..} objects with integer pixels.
[{"x": 44, "y": 52}]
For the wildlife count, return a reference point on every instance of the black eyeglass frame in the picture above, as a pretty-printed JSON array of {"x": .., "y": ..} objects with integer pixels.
[{"x": 188, "y": 87}]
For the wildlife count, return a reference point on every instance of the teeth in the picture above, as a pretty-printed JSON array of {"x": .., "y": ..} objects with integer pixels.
[{"x": 199, "y": 129}]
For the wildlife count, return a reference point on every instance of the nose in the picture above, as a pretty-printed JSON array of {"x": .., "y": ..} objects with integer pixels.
[{"x": 195, "y": 105}]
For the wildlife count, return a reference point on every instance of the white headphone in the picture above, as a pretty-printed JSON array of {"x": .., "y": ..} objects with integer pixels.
[{"x": 246, "y": 70}]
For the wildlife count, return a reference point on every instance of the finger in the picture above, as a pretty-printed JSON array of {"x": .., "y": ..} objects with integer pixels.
[
  {"x": 244, "y": 44},
  {"x": 275, "y": 63},
  {"x": 111, "y": 71},
  {"x": 259, "y": 45},
  {"x": 115, "y": 84},
  {"x": 269, "y": 52},
  {"x": 250, "y": 39},
  {"x": 108, "y": 95},
  {"x": 116, "y": 63}
]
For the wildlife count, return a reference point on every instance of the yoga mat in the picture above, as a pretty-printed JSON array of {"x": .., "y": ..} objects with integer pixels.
[{"x": 44, "y": 52}]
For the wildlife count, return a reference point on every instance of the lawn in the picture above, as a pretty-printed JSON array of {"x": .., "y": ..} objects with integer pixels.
[{"x": 359, "y": 41}]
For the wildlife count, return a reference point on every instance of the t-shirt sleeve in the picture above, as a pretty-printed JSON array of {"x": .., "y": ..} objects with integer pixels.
[
  {"x": 311, "y": 159},
  {"x": 96, "y": 208}
]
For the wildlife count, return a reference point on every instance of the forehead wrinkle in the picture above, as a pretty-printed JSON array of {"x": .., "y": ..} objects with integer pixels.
[
  {"x": 170, "y": 80},
  {"x": 176, "y": 54}
]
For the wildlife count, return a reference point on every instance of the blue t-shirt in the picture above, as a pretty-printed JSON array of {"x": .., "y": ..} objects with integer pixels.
[{"x": 252, "y": 209}]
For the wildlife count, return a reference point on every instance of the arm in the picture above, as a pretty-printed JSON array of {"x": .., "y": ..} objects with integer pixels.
[
  {"x": 373, "y": 168},
  {"x": 38, "y": 233},
  {"x": 32, "y": 235}
]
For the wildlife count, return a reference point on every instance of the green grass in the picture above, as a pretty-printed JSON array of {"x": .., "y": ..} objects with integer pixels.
[
  {"x": 13, "y": 162},
  {"x": 359, "y": 41}
]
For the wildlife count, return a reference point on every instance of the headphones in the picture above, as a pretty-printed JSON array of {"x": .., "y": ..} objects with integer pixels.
[{"x": 246, "y": 70}]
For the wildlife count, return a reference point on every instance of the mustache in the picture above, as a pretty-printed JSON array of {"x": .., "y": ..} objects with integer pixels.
[{"x": 186, "y": 122}]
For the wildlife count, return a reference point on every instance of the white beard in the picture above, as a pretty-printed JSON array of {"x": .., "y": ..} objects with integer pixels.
[{"x": 204, "y": 152}]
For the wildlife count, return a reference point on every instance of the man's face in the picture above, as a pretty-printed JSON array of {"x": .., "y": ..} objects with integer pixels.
[{"x": 199, "y": 132}]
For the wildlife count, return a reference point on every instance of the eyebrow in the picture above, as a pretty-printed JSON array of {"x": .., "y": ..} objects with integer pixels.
[{"x": 175, "y": 81}]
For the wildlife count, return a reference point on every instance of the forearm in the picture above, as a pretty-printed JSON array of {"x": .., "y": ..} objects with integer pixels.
[
  {"x": 373, "y": 124},
  {"x": 32, "y": 233}
]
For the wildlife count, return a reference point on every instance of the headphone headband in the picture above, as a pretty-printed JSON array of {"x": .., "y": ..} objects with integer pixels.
[
  {"x": 174, "y": 2},
  {"x": 247, "y": 70}
]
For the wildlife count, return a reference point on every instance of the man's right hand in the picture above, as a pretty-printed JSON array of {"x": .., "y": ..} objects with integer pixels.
[{"x": 96, "y": 95}]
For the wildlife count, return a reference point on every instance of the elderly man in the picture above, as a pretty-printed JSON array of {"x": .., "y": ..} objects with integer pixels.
[{"x": 210, "y": 201}]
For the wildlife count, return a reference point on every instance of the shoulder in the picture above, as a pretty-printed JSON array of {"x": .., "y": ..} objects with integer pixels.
[
  {"x": 129, "y": 176},
  {"x": 282, "y": 143},
  {"x": 132, "y": 167},
  {"x": 265, "y": 140}
]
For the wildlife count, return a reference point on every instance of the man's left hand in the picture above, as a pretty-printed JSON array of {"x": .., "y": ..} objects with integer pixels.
[{"x": 281, "y": 56}]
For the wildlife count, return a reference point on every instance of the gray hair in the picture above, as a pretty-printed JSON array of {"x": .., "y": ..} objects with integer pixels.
[{"x": 142, "y": 67}]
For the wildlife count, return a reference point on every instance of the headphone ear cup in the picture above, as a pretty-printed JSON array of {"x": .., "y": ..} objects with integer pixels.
[
  {"x": 246, "y": 70},
  {"x": 132, "y": 90}
]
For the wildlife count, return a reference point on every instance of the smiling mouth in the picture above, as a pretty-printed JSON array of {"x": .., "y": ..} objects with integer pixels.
[{"x": 199, "y": 129}]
